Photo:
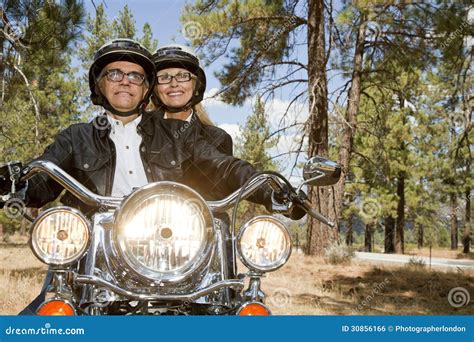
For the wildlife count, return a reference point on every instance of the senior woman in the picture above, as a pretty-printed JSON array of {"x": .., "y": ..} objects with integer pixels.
[{"x": 180, "y": 87}]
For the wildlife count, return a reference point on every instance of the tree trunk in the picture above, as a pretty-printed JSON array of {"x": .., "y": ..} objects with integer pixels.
[
  {"x": 421, "y": 236},
  {"x": 2, "y": 63},
  {"x": 454, "y": 221},
  {"x": 319, "y": 236},
  {"x": 400, "y": 224},
  {"x": 466, "y": 239},
  {"x": 368, "y": 237},
  {"x": 345, "y": 152},
  {"x": 350, "y": 233},
  {"x": 389, "y": 240}
]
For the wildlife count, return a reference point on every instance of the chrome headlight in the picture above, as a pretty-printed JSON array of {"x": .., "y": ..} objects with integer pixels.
[
  {"x": 164, "y": 231},
  {"x": 264, "y": 244},
  {"x": 60, "y": 236}
]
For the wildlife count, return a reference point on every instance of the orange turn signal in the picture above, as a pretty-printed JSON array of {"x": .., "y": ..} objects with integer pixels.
[
  {"x": 56, "y": 308},
  {"x": 253, "y": 309}
]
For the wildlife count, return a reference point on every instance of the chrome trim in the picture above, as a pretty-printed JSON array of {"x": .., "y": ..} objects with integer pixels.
[
  {"x": 254, "y": 292},
  {"x": 45, "y": 214},
  {"x": 319, "y": 171},
  {"x": 285, "y": 257},
  {"x": 70, "y": 184},
  {"x": 254, "y": 185},
  {"x": 93, "y": 280}
]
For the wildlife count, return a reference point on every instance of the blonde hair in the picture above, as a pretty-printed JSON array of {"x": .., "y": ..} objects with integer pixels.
[{"x": 202, "y": 114}]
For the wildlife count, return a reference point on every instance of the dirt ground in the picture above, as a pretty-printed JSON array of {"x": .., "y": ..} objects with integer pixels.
[{"x": 304, "y": 286}]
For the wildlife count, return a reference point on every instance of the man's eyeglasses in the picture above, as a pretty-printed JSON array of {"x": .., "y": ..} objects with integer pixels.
[
  {"x": 117, "y": 75},
  {"x": 179, "y": 77}
]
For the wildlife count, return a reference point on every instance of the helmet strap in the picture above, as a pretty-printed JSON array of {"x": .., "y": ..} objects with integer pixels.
[
  {"x": 177, "y": 109},
  {"x": 114, "y": 111}
]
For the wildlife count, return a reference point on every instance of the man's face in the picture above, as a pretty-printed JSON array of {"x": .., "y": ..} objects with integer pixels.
[
  {"x": 175, "y": 94},
  {"x": 123, "y": 95}
]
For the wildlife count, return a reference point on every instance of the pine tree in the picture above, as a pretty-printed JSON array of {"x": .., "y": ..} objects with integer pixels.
[
  {"x": 253, "y": 146},
  {"x": 265, "y": 37},
  {"x": 39, "y": 92}
]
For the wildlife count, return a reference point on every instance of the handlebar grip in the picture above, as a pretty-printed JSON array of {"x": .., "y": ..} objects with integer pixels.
[{"x": 306, "y": 204}]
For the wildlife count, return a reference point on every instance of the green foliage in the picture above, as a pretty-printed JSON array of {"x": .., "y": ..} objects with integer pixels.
[
  {"x": 252, "y": 146},
  {"x": 40, "y": 94},
  {"x": 263, "y": 30},
  {"x": 412, "y": 120},
  {"x": 255, "y": 140}
]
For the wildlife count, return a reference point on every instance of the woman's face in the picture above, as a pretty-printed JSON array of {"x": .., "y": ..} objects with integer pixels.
[{"x": 175, "y": 94}]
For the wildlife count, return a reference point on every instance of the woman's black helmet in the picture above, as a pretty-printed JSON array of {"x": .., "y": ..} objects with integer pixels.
[
  {"x": 178, "y": 56},
  {"x": 120, "y": 49}
]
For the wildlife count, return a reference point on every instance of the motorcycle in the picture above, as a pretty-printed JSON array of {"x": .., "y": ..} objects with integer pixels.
[{"x": 163, "y": 249}]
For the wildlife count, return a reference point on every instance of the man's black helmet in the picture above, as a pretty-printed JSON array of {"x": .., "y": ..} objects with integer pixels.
[
  {"x": 121, "y": 49},
  {"x": 178, "y": 56}
]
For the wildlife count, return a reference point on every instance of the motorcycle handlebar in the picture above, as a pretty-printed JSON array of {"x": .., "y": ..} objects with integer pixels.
[
  {"x": 306, "y": 205},
  {"x": 88, "y": 197}
]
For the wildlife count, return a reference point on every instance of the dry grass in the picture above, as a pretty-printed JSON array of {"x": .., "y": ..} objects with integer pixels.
[
  {"x": 305, "y": 286},
  {"x": 21, "y": 278},
  {"x": 310, "y": 286}
]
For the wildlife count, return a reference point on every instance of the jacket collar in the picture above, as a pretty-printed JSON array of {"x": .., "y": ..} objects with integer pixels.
[{"x": 102, "y": 125}]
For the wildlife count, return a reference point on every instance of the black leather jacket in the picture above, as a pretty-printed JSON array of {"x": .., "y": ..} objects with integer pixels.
[{"x": 172, "y": 150}]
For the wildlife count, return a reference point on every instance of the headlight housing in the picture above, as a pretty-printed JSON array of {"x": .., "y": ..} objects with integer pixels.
[
  {"x": 60, "y": 236},
  {"x": 164, "y": 231},
  {"x": 264, "y": 244}
]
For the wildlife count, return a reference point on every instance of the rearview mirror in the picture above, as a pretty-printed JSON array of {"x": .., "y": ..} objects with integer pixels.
[{"x": 319, "y": 171}]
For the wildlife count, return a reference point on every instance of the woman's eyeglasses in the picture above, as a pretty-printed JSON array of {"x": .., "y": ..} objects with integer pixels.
[
  {"x": 117, "y": 75},
  {"x": 179, "y": 77}
]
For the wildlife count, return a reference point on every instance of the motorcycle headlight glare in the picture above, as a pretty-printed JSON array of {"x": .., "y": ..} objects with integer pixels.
[
  {"x": 60, "y": 236},
  {"x": 264, "y": 244},
  {"x": 164, "y": 231}
]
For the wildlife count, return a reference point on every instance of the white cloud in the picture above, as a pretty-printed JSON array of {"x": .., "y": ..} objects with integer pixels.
[
  {"x": 211, "y": 100},
  {"x": 233, "y": 130},
  {"x": 280, "y": 116}
]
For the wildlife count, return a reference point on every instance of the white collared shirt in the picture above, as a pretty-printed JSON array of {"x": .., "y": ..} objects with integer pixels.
[
  {"x": 188, "y": 119},
  {"x": 129, "y": 170}
]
